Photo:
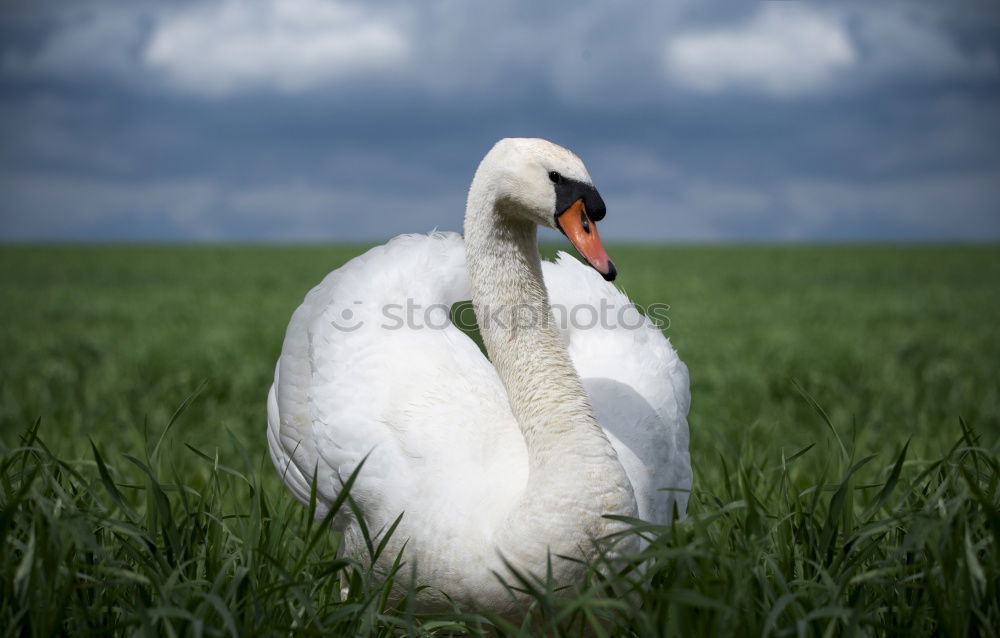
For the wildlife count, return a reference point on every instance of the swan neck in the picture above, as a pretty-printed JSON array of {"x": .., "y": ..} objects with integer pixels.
[
  {"x": 574, "y": 476},
  {"x": 515, "y": 320}
]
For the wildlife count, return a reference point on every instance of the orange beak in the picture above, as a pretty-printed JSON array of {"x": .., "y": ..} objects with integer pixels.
[{"x": 578, "y": 227}]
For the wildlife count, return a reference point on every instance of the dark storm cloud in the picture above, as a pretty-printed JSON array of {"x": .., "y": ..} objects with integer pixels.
[{"x": 308, "y": 119}]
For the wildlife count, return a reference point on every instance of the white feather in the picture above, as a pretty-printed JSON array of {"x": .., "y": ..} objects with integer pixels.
[{"x": 427, "y": 412}]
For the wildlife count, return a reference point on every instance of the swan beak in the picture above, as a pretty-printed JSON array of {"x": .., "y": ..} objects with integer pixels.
[{"x": 582, "y": 231}]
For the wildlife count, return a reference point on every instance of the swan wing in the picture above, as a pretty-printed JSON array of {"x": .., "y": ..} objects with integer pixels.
[
  {"x": 372, "y": 369},
  {"x": 638, "y": 386}
]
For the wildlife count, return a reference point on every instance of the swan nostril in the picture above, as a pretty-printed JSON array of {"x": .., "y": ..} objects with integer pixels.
[{"x": 584, "y": 221}]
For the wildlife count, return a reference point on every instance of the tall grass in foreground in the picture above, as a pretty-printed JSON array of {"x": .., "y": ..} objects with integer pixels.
[{"x": 883, "y": 544}]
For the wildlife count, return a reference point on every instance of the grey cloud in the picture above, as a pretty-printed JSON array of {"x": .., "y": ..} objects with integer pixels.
[
  {"x": 45, "y": 207},
  {"x": 593, "y": 54},
  {"x": 98, "y": 145},
  {"x": 100, "y": 39},
  {"x": 954, "y": 207},
  {"x": 290, "y": 46},
  {"x": 673, "y": 205},
  {"x": 692, "y": 208},
  {"x": 914, "y": 43},
  {"x": 784, "y": 49}
]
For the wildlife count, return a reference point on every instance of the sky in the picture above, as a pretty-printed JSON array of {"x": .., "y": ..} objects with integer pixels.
[{"x": 334, "y": 120}]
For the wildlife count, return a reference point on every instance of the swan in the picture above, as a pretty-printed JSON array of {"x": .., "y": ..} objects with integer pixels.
[{"x": 494, "y": 463}]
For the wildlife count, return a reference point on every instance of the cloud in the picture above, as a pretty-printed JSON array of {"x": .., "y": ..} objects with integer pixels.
[
  {"x": 935, "y": 206},
  {"x": 913, "y": 43},
  {"x": 594, "y": 55},
  {"x": 645, "y": 191},
  {"x": 53, "y": 206},
  {"x": 283, "y": 45},
  {"x": 332, "y": 119},
  {"x": 94, "y": 40},
  {"x": 61, "y": 207},
  {"x": 788, "y": 49},
  {"x": 784, "y": 49}
]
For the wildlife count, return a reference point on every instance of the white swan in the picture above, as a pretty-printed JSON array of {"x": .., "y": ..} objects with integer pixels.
[{"x": 517, "y": 455}]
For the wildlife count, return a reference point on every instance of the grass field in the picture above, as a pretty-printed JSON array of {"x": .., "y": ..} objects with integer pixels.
[{"x": 804, "y": 362}]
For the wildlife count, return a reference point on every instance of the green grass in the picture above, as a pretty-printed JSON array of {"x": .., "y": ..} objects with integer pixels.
[{"x": 845, "y": 422}]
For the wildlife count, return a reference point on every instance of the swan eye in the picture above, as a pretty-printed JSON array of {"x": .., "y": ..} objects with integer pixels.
[{"x": 555, "y": 177}]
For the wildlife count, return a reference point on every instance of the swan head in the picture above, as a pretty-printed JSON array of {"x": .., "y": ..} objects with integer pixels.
[{"x": 545, "y": 184}]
